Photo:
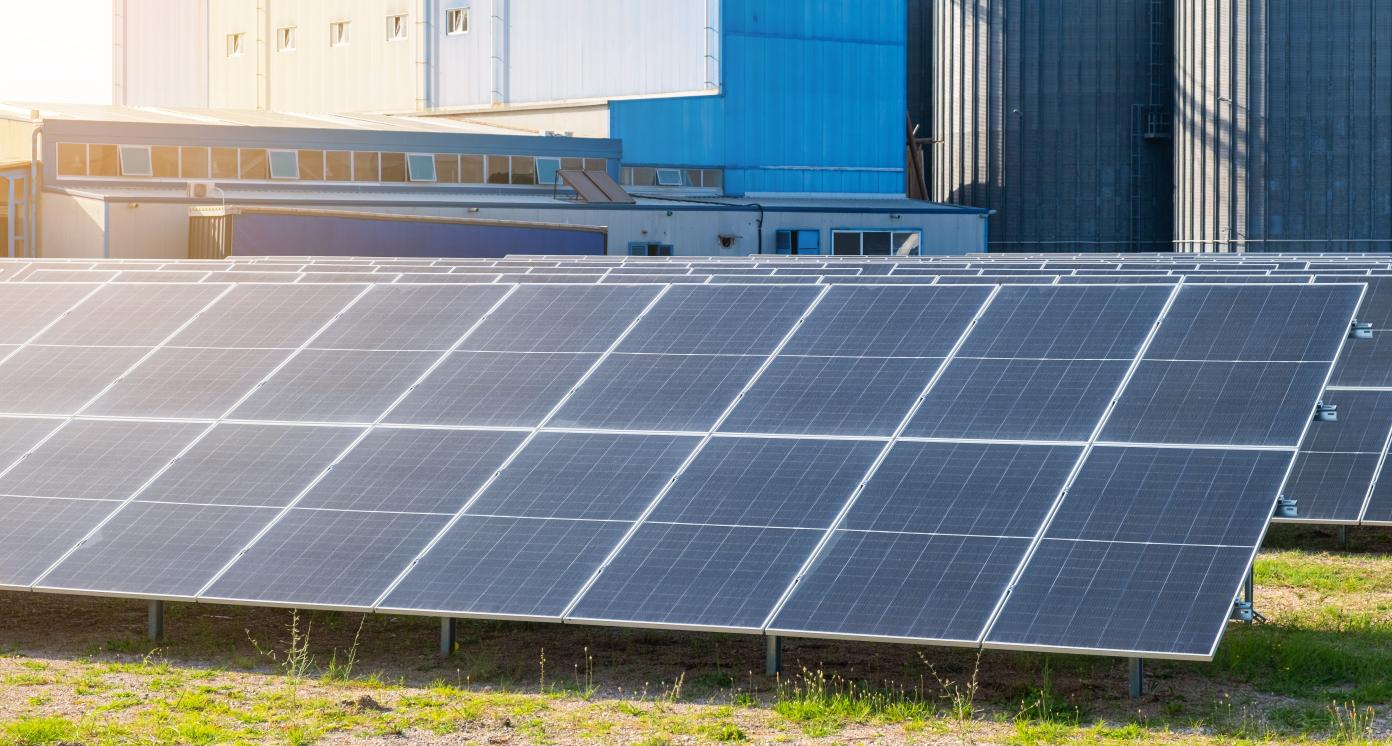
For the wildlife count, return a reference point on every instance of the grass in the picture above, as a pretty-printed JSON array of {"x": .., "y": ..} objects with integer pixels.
[{"x": 1319, "y": 672}]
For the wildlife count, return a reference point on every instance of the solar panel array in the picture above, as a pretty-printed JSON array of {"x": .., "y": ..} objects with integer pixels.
[{"x": 912, "y": 457}]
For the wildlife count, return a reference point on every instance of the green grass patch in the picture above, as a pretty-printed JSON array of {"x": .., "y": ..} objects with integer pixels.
[
  {"x": 1323, "y": 572},
  {"x": 823, "y": 705},
  {"x": 39, "y": 731},
  {"x": 1325, "y": 653}
]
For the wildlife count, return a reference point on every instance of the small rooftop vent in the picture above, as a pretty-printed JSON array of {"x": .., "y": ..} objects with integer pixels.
[{"x": 1326, "y": 412}]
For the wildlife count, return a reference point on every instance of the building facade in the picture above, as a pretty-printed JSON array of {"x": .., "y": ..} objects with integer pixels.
[{"x": 708, "y": 97}]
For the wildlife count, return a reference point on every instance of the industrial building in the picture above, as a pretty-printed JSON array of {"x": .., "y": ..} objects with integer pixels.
[
  {"x": 1141, "y": 125},
  {"x": 148, "y": 183},
  {"x": 761, "y": 96}
]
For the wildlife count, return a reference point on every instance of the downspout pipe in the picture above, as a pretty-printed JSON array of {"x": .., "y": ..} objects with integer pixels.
[{"x": 31, "y": 238}]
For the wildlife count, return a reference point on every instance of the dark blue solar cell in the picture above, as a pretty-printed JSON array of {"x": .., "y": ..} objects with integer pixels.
[
  {"x": 585, "y": 476},
  {"x": 931, "y": 588},
  {"x": 413, "y": 471},
  {"x": 1087, "y": 596},
  {"x": 35, "y": 532},
  {"x": 1365, "y": 362},
  {"x": 963, "y": 488},
  {"x": 658, "y": 392},
  {"x": 327, "y": 558},
  {"x": 832, "y": 396},
  {"x": 1288, "y": 322},
  {"x": 1331, "y": 486},
  {"x": 159, "y": 549},
  {"x": 507, "y": 567},
  {"x": 1066, "y": 322},
  {"x": 888, "y": 321},
  {"x": 1364, "y": 420},
  {"x": 561, "y": 319},
  {"x": 1019, "y": 399},
  {"x": 768, "y": 482},
  {"x": 725, "y": 320},
  {"x": 410, "y": 317},
  {"x": 493, "y": 389},
  {"x": 1172, "y": 495},
  {"x": 1266, "y": 404},
  {"x": 698, "y": 576}
]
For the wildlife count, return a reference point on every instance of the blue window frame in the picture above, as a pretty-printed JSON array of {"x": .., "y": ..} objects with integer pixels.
[{"x": 798, "y": 242}]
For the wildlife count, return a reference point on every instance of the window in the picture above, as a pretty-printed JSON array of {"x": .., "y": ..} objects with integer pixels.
[
  {"x": 338, "y": 165},
  {"x": 524, "y": 170},
  {"x": 311, "y": 165},
  {"x": 499, "y": 170},
  {"x": 72, "y": 159},
  {"x": 798, "y": 242},
  {"x": 876, "y": 243},
  {"x": 643, "y": 176},
  {"x": 338, "y": 34},
  {"x": 193, "y": 163},
  {"x": 471, "y": 169},
  {"x": 456, "y": 21},
  {"x": 649, "y": 249},
  {"x": 420, "y": 167},
  {"x": 669, "y": 177},
  {"x": 285, "y": 164},
  {"x": 396, "y": 28},
  {"x": 254, "y": 164},
  {"x": 225, "y": 163},
  {"x": 394, "y": 167},
  {"x": 234, "y": 44},
  {"x": 365, "y": 167},
  {"x": 546, "y": 170},
  {"x": 135, "y": 161},
  {"x": 285, "y": 39},
  {"x": 102, "y": 160},
  {"x": 165, "y": 159},
  {"x": 446, "y": 168},
  {"x": 713, "y": 178}
]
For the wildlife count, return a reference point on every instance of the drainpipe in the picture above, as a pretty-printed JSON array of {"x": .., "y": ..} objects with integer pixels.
[
  {"x": 263, "y": 73},
  {"x": 31, "y": 238},
  {"x": 423, "y": 41},
  {"x": 498, "y": 24}
]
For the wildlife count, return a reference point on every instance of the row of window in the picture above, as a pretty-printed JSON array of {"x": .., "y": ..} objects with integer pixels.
[
  {"x": 654, "y": 176},
  {"x": 340, "y": 32},
  {"x": 808, "y": 242},
  {"x": 850, "y": 242},
  {"x": 263, "y": 164}
]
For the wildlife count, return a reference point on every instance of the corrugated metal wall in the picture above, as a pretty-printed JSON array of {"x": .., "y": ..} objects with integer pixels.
[
  {"x": 1042, "y": 106},
  {"x": 813, "y": 101},
  {"x": 1284, "y": 125},
  {"x": 161, "y": 49}
]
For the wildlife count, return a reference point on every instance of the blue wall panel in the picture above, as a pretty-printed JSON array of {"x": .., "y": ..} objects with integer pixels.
[
  {"x": 279, "y": 234},
  {"x": 813, "y": 100}
]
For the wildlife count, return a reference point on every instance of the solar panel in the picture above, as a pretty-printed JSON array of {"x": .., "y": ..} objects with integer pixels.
[
  {"x": 36, "y": 531},
  {"x": 60, "y": 380},
  {"x": 28, "y": 309},
  {"x": 901, "y": 461}
]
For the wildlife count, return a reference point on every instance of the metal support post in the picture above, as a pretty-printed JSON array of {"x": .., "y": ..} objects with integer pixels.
[
  {"x": 449, "y": 635},
  {"x": 1249, "y": 592},
  {"x": 1343, "y": 537},
  {"x": 1136, "y": 675},
  {"x": 774, "y": 658},
  {"x": 155, "y": 622}
]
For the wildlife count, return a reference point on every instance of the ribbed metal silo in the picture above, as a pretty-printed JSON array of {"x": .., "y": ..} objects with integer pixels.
[
  {"x": 1283, "y": 122},
  {"x": 1055, "y": 114}
]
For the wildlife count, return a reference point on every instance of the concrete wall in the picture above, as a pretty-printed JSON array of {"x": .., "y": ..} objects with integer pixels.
[
  {"x": 160, "y": 53},
  {"x": 147, "y": 230}
]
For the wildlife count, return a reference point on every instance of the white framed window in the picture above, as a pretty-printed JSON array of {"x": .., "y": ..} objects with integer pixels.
[
  {"x": 339, "y": 33},
  {"x": 285, "y": 39},
  {"x": 285, "y": 164},
  {"x": 396, "y": 27},
  {"x": 854, "y": 242},
  {"x": 457, "y": 21},
  {"x": 420, "y": 166},
  {"x": 235, "y": 44},
  {"x": 669, "y": 177},
  {"x": 135, "y": 160}
]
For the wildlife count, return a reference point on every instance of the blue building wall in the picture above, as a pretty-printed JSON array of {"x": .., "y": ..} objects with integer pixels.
[{"x": 813, "y": 100}]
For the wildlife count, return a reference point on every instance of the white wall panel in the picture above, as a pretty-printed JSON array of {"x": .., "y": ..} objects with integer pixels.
[
  {"x": 161, "y": 53},
  {"x": 232, "y": 80}
]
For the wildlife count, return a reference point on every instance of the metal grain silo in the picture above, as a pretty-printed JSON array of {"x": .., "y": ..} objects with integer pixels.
[
  {"x": 1054, "y": 113},
  {"x": 1283, "y": 123}
]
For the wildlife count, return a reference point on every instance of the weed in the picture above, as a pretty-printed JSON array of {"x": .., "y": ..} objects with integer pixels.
[
  {"x": 725, "y": 732},
  {"x": 1349, "y": 724},
  {"x": 822, "y": 705},
  {"x": 40, "y": 731},
  {"x": 337, "y": 672}
]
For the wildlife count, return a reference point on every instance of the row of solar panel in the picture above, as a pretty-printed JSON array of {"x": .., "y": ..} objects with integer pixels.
[{"x": 745, "y": 529}]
